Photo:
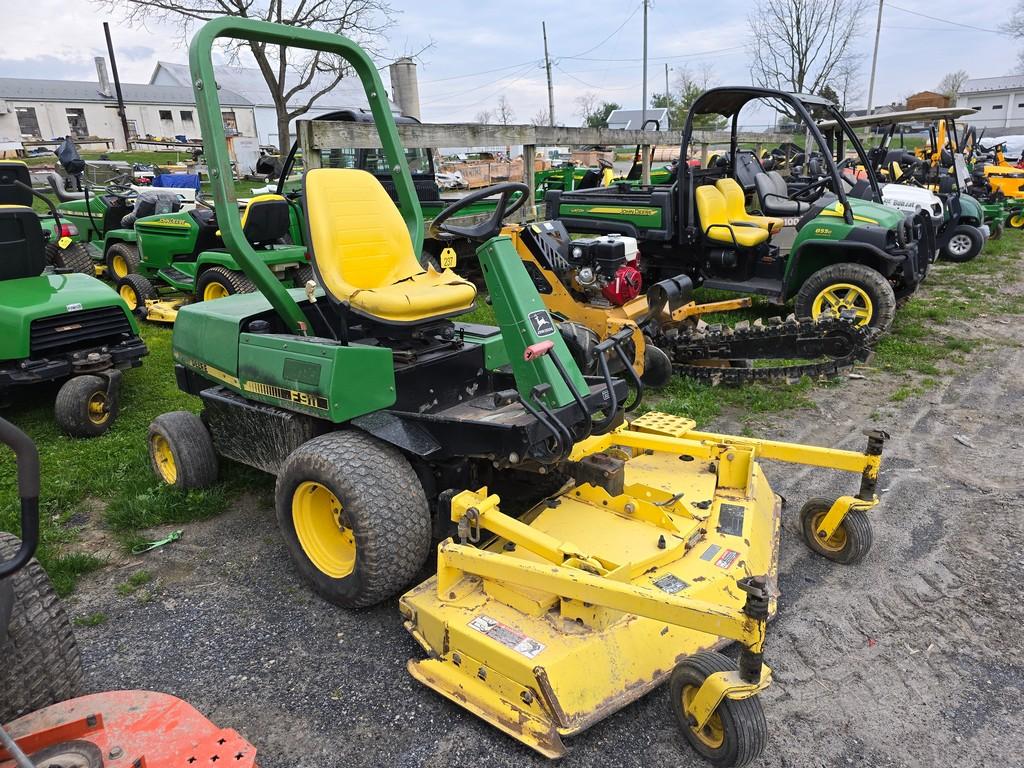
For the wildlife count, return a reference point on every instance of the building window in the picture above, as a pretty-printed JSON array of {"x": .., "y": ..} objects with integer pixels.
[
  {"x": 76, "y": 122},
  {"x": 28, "y": 124},
  {"x": 997, "y": 106},
  {"x": 186, "y": 116},
  {"x": 165, "y": 114},
  {"x": 1020, "y": 106},
  {"x": 230, "y": 123},
  {"x": 133, "y": 129}
]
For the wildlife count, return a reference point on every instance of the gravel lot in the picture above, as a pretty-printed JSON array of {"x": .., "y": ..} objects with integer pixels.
[{"x": 912, "y": 658}]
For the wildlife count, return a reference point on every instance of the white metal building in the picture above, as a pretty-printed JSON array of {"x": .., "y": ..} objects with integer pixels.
[
  {"x": 249, "y": 83},
  {"x": 998, "y": 101},
  {"x": 631, "y": 119}
]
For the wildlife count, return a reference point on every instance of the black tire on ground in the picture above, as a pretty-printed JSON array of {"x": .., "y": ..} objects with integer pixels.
[
  {"x": 136, "y": 289},
  {"x": 383, "y": 506},
  {"x": 192, "y": 459},
  {"x": 41, "y": 664},
  {"x": 657, "y": 366},
  {"x": 75, "y": 257},
  {"x": 996, "y": 229},
  {"x": 128, "y": 252},
  {"x": 871, "y": 281},
  {"x": 964, "y": 243},
  {"x": 744, "y": 729},
  {"x": 84, "y": 408},
  {"x": 852, "y": 540},
  {"x": 230, "y": 280},
  {"x": 581, "y": 342}
]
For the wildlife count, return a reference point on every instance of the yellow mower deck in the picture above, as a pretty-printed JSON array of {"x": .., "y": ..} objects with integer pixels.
[{"x": 591, "y": 600}]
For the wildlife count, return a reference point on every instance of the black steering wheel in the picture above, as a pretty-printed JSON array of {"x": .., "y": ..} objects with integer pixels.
[
  {"x": 806, "y": 194},
  {"x": 488, "y": 228}
]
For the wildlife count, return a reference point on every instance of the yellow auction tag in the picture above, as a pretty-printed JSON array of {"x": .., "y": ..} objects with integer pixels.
[
  {"x": 64, "y": 242},
  {"x": 448, "y": 258}
]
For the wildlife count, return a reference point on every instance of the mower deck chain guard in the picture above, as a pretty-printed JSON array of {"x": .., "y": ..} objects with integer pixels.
[{"x": 839, "y": 340}]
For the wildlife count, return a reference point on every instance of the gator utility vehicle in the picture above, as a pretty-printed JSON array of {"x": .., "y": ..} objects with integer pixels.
[
  {"x": 997, "y": 184},
  {"x": 386, "y": 420},
  {"x": 847, "y": 253},
  {"x": 40, "y": 723},
  {"x": 917, "y": 184},
  {"x": 59, "y": 325}
]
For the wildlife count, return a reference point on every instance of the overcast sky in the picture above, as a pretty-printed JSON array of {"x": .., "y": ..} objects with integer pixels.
[{"x": 484, "y": 49}]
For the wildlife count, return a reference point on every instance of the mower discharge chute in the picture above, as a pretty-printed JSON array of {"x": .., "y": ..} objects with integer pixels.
[{"x": 389, "y": 423}]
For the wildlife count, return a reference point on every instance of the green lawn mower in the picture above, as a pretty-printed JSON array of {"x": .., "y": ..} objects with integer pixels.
[
  {"x": 738, "y": 227},
  {"x": 59, "y": 325}
]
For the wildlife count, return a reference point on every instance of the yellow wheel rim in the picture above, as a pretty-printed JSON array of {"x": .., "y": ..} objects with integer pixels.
[
  {"x": 98, "y": 413},
  {"x": 322, "y": 534},
  {"x": 164, "y": 459},
  {"x": 840, "y": 297},
  {"x": 712, "y": 734},
  {"x": 834, "y": 543},
  {"x": 128, "y": 294},
  {"x": 1017, "y": 222},
  {"x": 214, "y": 291},
  {"x": 119, "y": 265}
]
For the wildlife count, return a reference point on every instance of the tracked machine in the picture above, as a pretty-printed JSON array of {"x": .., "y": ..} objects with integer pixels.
[{"x": 640, "y": 545}]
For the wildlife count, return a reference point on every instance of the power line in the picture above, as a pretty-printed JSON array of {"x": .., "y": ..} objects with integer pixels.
[
  {"x": 947, "y": 21},
  {"x": 712, "y": 52},
  {"x": 613, "y": 34},
  {"x": 476, "y": 74},
  {"x": 479, "y": 86},
  {"x": 591, "y": 85}
]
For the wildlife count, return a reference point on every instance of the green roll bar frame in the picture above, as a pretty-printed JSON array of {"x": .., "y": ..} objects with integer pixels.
[{"x": 218, "y": 159}]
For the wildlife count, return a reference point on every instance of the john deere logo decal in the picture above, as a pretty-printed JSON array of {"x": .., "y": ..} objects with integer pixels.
[{"x": 541, "y": 322}]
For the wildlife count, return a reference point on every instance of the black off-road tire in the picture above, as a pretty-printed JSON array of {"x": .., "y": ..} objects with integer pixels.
[
  {"x": 75, "y": 257},
  {"x": 232, "y": 280},
  {"x": 383, "y": 504},
  {"x": 41, "y": 664},
  {"x": 962, "y": 233},
  {"x": 141, "y": 291},
  {"x": 856, "y": 527},
  {"x": 743, "y": 722},
  {"x": 996, "y": 229},
  {"x": 871, "y": 281},
  {"x": 191, "y": 446},
  {"x": 129, "y": 252},
  {"x": 71, "y": 409}
]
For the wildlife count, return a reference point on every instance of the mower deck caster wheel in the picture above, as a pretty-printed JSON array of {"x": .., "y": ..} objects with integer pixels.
[
  {"x": 737, "y": 732},
  {"x": 181, "y": 451},
  {"x": 86, "y": 406},
  {"x": 851, "y": 541},
  {"x": 657, "y": 367}
]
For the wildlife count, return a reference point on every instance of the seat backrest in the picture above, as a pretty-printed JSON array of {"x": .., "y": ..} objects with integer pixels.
[
  {"x": 266, "y": 219},
  {"x": 735, "y": 200},
  {"x": 779, "y": 184},
  {"x": 712, "y": 210},
  {"x": 12, "y": 171},
  {"x": 22, "y": 247},
  {"x": 357, "y": 237},
  {"x": 765, "y": 187},
  {"x": 152, "y": 203}
]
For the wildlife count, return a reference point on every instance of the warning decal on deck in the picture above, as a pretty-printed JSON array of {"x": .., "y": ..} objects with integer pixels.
[
  {"x": 730, "y": 519},
  {"x": 710, "y": 552},
  {"x": 727, "y": 559},
  {"x": 504, "y": 634},
  {"x": 670, "y": 584}
]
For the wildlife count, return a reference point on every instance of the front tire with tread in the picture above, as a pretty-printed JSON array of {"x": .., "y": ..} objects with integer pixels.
[
  {"x": 193, "y": 459},
  {"x": 871, "y": 281},
  {"x": 136, "y": 290},
  {"x": 963, "y": 244},
  {"x": 85, "y": 408}
]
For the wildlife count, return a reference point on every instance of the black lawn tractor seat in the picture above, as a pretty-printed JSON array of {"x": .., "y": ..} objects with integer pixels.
[
  {"x": 151, "y": 203},
  {"x": 14, "y": 174},
  {"x": 363, "y": 255},
  {"x": 265, "y": 220},
  {"x": 773, "y": 194},
  {"x": 22, "y": 245}
]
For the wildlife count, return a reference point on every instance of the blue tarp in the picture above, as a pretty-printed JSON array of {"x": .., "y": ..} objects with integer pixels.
[{"x": 177, "y": 180}]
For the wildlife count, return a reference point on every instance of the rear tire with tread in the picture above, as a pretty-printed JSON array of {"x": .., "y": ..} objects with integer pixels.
[
  {"x": 128, "y": 252},
  {"x": 230, "y": 280},
  {"x": 964, "y": 243},
  {"x": 41, "y": 662},
  {"x": 75, "y": 257}
]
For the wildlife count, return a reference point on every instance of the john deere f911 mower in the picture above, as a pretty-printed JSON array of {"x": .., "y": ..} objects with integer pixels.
[
  {"x": 390, "y": 423},
  {"x": 734, "y": 227}
]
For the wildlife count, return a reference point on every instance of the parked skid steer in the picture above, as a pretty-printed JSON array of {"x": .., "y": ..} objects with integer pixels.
[{"x": 389, "y": 423}]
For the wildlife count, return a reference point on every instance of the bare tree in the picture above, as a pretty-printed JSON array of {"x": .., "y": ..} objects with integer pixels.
[
  {"x": 796, "y": 45},
  {"x": 586, "y": 104},
  {"x": 846, "y": 81},
  {"x": 296, "y": 78},
  {"x": 504, "y": 113},
  {"x": 541, "y": 118},
  {"x": 483, "y": 117},
  {"x": 594, "y": 114},
  {"x": 952, "y": 83}
]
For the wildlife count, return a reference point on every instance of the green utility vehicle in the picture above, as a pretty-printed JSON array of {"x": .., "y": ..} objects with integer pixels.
[
  {"x": 722, "y": 225},
  {"x": 59, "y": 325}
]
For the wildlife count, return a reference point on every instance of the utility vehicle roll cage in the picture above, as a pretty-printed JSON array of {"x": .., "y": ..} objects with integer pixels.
[{"x": 728, "y": 102}]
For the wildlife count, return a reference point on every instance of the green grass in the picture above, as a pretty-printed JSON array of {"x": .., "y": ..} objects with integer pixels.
[
  {"x": 145, "y": 157},
  {"x": 106, "y": 483},
  {"x": 91, "y": 620}
]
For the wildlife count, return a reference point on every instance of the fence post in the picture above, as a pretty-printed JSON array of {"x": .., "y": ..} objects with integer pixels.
[
  {"x": 645, "y": 163},
  {"x": 530, "y": 179}
]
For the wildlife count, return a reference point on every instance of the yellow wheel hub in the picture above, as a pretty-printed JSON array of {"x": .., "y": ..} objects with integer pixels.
[
  {"x": 329, "y": 545},
  {"x": 98, "y": 413},
  {"x": 1017, "y": 221},
  {"x": 128, "y": 294},
  {"x": 215, "y": 291},
  {"x": 842, "y": 297},
  {"x": 120, "y": 266},
  {"x": 712, "y": 734},
  {"x": 164, "y": 459},
  {"x": 834, "y": 543}
]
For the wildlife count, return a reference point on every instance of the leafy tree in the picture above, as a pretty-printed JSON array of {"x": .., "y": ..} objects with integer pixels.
[
  {"x": 828, "y": 92},
  {"x": 595, "y": 115},
  {"x": 688, "y": 86}
]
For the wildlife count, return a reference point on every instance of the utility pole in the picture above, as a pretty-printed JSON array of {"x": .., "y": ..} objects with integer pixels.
[
  {"x": 117, "y": 89},
  {"x": 874, "y": 60},
  {"x": 643, "y": 107},
  {"x": 551, "y": 90},
  {"x": 666, "y": 83}
]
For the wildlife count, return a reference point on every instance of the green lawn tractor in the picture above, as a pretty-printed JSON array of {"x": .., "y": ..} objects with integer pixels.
[
  {"x": 737, "y": 228},
  {"x": 390, "y": 423},
  {"x": 59, "y": 325}
]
